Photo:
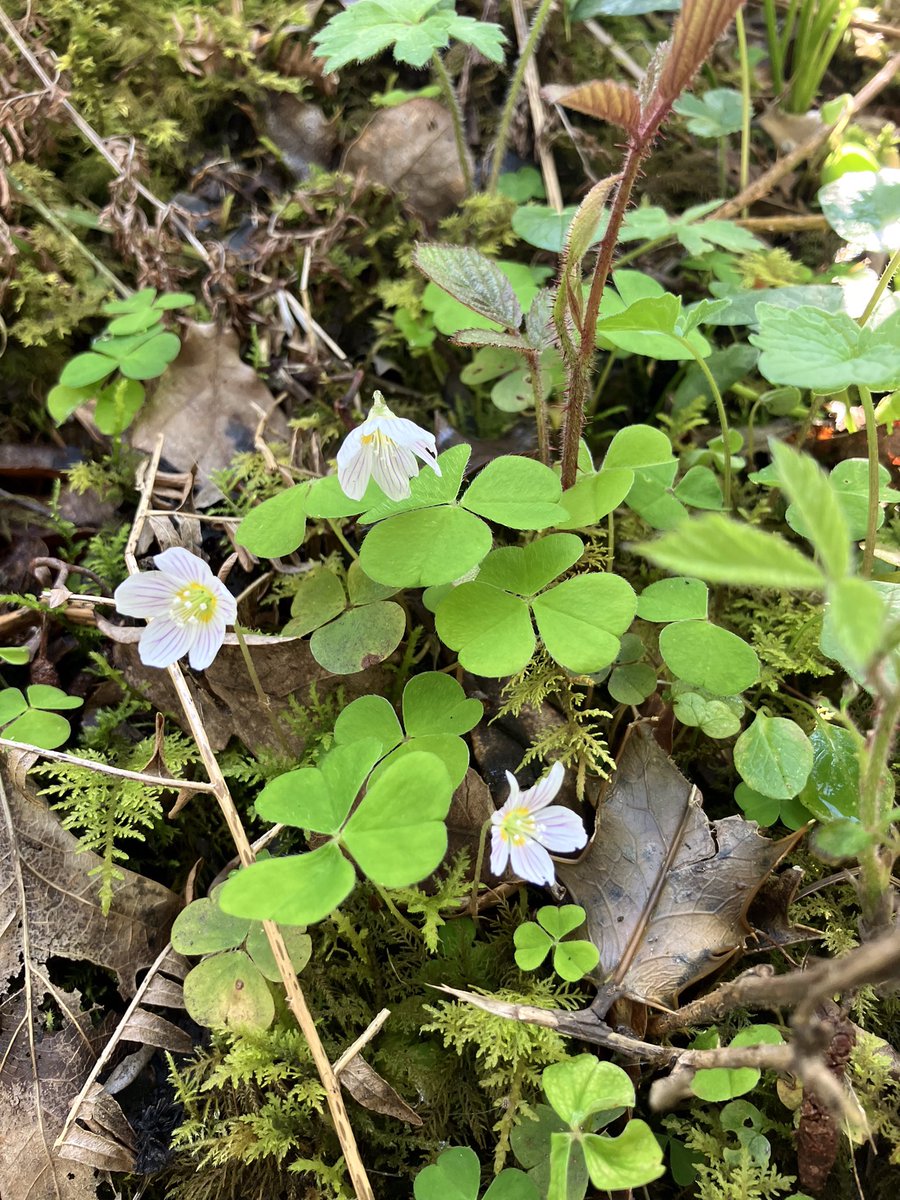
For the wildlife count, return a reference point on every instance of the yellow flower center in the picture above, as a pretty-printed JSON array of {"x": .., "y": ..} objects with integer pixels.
[
  {"x": 194, "y": 602},
  {"x": 380, "y": 439},
  {"x": 518, "y": 826}
]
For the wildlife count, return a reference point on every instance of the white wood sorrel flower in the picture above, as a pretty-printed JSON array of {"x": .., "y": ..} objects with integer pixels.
[
  {"x": 384, "y": 446},
  {"x": 186, "y": 605},
  {"x": 525, "y": 828}
]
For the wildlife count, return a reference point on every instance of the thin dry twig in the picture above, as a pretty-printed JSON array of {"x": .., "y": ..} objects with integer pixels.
[
  {"x": 363, "y": 1040},
  {"x": 103, "y": 768},
  {"x": 538, "y": 113},
  {"x": 295, "y": 996}
]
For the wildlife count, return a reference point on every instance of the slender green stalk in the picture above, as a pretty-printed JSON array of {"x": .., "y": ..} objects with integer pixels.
[
  {"x": 395, "y": 911},
  {"x": 339, "y": 534},
  {"x": 479, "y": 862},
  {"x": 876, "y": 862},
  {"x": 610, "y": 541},
  {"x": 881, "y": 287},
  {"x": 776, "y": 49},
  {"x": 645, "y": 248},
  {"x": 515, "y": 87},
  {"x": 593, "y": 403},
  {"x": 265, "y": 702},
  {"x": 723, "y": 419},
  {"x": 746, "y": 100},
  {"x": 459, "y": 133},
  {"x": 540, "y": 406},
  {"x": 874, "y": 482}
]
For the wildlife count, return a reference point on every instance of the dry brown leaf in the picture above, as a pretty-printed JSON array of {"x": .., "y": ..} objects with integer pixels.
[
  {"x": 207, "y": 405},
  {"x": 665, "y": 890},
  {"x": 411, "y": 149},
  {"x": 49, "y": 907},
  {"x": 367, "y": 1088},
  {"x": 601, "y": 99}
]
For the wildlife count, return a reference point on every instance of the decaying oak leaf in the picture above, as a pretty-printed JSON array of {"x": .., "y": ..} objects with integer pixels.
[
  {"x": 49, "y": 908},
  {"x": 665, "y": 890},
  {"x": 368, "y": 1088},
  {"x": 411, "y": 149},
  {"x": 208, "y": 405}
]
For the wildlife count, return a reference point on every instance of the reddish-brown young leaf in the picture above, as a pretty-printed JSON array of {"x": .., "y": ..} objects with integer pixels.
[
  {"x": 699, "y": 26},
  {"x": 600, "y": 98}
]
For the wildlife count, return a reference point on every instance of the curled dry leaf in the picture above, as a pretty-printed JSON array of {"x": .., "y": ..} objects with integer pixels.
[
  {"x": 411, "y": 149},
  {"x": 665, "y": 890},
  {"x": 368, "y": 1088},
  {"x": 49, "y": 908},
  {"x": 208, "y": 405}
]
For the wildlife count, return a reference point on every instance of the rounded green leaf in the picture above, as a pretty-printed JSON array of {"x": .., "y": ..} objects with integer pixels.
[
  {"x": 319, "y": 598},
  {"x": 832, "y": 789},
  {"x": 297, "y": 942},
  {"x": 632, "y": 683},
  {"x": 632, "y": 1159},
  {"x": 361, "y": 638},
  {"x": 326, "y": 499},
  {"x": 12, "y": 703},
  {"x": 774, "y": 756},
  {"x": 580, "y": 620},
  {"x": 527, "y": 569},
  {"x": 319, "y": 798},
  {"x": 45, "y": 729},
  {"x": 369, "y": 717},
  {"x": 227, "y": 991},
  {"x": 517, "y": 492},
  {"x": 757, "y": 807},
  {"x": 202, "y": 928},
  {"x": 425, "y": 547},
  {"x": 638, "y": 446},
  {"x": 277, "y": 526},
  {"x": 174, "y": 300},
  {"x": 512, "y": 1184},
  {"x": 594, "y": 497},
  {"x": 16, "y": 656},
  {"x": 700, "y": 489},
  {"x": 678, "y": 599},
  {"x": 44, "y": 695},
  {"x": 718, "y": 717},
  {"x": 863, "y": 207},
  {"x": 135, "y": 322},
  {"x": 716, "y": 1084},
  {"x": 138, "y": 301},
  {"x": 455, "y": 1176},
  {"x": 363, "y": 590},
  {"x": 297, "y": 890},
  {"x": 435, "y": 703},
  {"x": 490, "y": 630},
  {"x": 708, "y": 656},
  {"x": 397, "y": 834},
  {"x": 841, "y": 839},
  {"x": 573, "y": 960},
  {"x": 532, "y": 945},
  {"x": 117, "y": 405},
  {"x": 560, "y": 921},
  {"x": 580, "y": 1086},
  {"x": 85, "y": 369},
  {"x": 149, "y": 360},
  {"x": 451, "y": 750},
  {"x": 62, "y": 401}
]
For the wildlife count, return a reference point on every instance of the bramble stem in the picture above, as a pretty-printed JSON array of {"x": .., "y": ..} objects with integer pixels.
[
  {"x": 874, "y": 482},
  {"x": 459, "y": 133},
  {"x": 540, "y": 406},
  {"x": 515, "y": 87}
]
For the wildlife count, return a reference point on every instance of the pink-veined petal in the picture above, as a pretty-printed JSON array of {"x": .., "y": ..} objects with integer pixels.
[
  {"x": 390, "y": 475},
  {"x": 146, "y": 595},
  {"x": 499, "y": 852},
  {"x": 514, "y": 799},
  {"x": 183, "y": 566},
  {"x": 544, "y": 791},
  {"x": 227, "y": 605},
  {"x": 413, "y": 437},
  {"x": 560, "y": 829},
  {"x": 355, "y": 470},
  {"x": 163, "y": 642},
  {"x": 532, "y": 862},
  {"x": 207, "y": 644}
]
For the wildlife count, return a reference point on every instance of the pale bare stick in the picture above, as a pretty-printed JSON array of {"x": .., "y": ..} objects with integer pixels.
[
  {"x": 295, "y": 996},
  {"x": 538, "y": 113},
  {"x": 103, "y": 768},
  {"x": 363, "y": 1040}
]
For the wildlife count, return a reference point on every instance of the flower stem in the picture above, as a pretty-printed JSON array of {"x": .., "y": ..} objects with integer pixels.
[
  {"x": 723, "y": 419},
  {"x": 395, "y": 911},
  {"x": 339, "y": 534},
  {"x": 881, "y": 287},
  {"x": 452, "y": 101},
  {"x": 540, "y": 406},
  {"x": 264, "y": 700},
  {"x": 874, "y": 482},
  {"x": 515, "y": 87},
  {"x": 479, "y": 862}
]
